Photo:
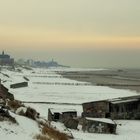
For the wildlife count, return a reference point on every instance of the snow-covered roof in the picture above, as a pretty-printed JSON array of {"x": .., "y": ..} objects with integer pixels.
[
  {"x": 53, "y": 110},
  {"x": 118, "y": 100},
  {"x": 101, "y": 120},
  {"x": 124, "y": 101}
]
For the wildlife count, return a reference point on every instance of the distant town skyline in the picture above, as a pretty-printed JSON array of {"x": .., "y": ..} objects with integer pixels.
[{"x": 79, "y": 33}]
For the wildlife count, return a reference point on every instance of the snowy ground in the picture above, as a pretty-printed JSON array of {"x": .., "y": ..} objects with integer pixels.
[
  {"x": 44, "y": 89},
  {"x": 47, "y": 86},
  {"x": 26, "y": 129}
]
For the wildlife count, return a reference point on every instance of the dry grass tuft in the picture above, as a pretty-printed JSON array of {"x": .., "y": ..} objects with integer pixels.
[
  {"x": 31, "y": 113},
  {"x": 14, "y": 104},
  {"x": 54, "y": 134}
]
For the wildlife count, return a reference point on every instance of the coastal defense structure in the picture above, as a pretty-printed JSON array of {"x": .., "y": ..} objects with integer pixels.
[
  {"x": 60, "y": 114},
  {"x": 118, "y": 108},
  {"x": 19, "y": 85},
  {"x": 68, "y": 117},
  {"x": 99, "y": 125},
  {"x": 4, "y": 93},
  {"x": 6, "y": 60}
]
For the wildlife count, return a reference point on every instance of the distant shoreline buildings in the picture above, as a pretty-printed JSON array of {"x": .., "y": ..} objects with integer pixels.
[
  {"x": 48, "y": 64},
  {"x": 6, "y": 60},
  {"x": 40, "y": 64}
]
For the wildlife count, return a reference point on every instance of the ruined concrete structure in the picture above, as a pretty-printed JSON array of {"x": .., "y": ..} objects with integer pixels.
[
  {"x": 99, "y": 125},
  {"x": 118, "y": 108},
  {"x": 19, "y": 85},
  {"x": 68, "y": 117},
  {"x": 60, "y": 114}
]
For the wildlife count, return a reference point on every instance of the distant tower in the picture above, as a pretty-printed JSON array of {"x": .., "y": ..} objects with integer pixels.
[{"x": 2, "y": 52}]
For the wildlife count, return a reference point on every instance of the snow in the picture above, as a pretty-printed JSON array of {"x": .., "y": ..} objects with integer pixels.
[
  {"x": 61, "y": 110},
  {"x": 59, "y": 92},
  {"x": 76, "y": 69},
  {"x": 26, "y": 129},
  {"x": 43, "y": 108},
  {"x": 124, "y": 101},
  {"x": 101, "y": 120},
  {"x": 128, "y": 130},
  {"x": 24, "y": 109}
]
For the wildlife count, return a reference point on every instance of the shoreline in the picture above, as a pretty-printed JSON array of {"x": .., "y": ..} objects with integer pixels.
[{"x": 119, "y": 79}]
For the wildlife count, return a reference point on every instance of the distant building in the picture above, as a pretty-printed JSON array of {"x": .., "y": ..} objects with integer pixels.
[
  {"x": 6, "y": 60},
  {"x": 30, "y": 62}
]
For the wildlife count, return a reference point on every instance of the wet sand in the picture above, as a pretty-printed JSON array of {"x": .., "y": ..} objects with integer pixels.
[{"x": 121, "y": 79}]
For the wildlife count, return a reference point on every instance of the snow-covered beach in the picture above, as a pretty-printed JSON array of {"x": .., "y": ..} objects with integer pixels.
[{"x": 63, "y": 90}]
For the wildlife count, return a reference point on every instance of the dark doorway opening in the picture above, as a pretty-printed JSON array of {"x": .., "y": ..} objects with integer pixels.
[
  {"x": 56, "y": 116},
  {"x": 107, "y": 115}
]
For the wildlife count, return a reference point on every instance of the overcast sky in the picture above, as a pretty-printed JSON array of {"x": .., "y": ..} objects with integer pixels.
[{"x": 80, "y": 33}]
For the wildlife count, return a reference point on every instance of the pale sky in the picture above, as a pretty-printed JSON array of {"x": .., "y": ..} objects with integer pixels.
[{"x": 80, "y": 33}]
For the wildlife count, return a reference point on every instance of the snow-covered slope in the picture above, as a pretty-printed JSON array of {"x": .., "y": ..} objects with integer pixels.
[{"x": 26, "y": 129}]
